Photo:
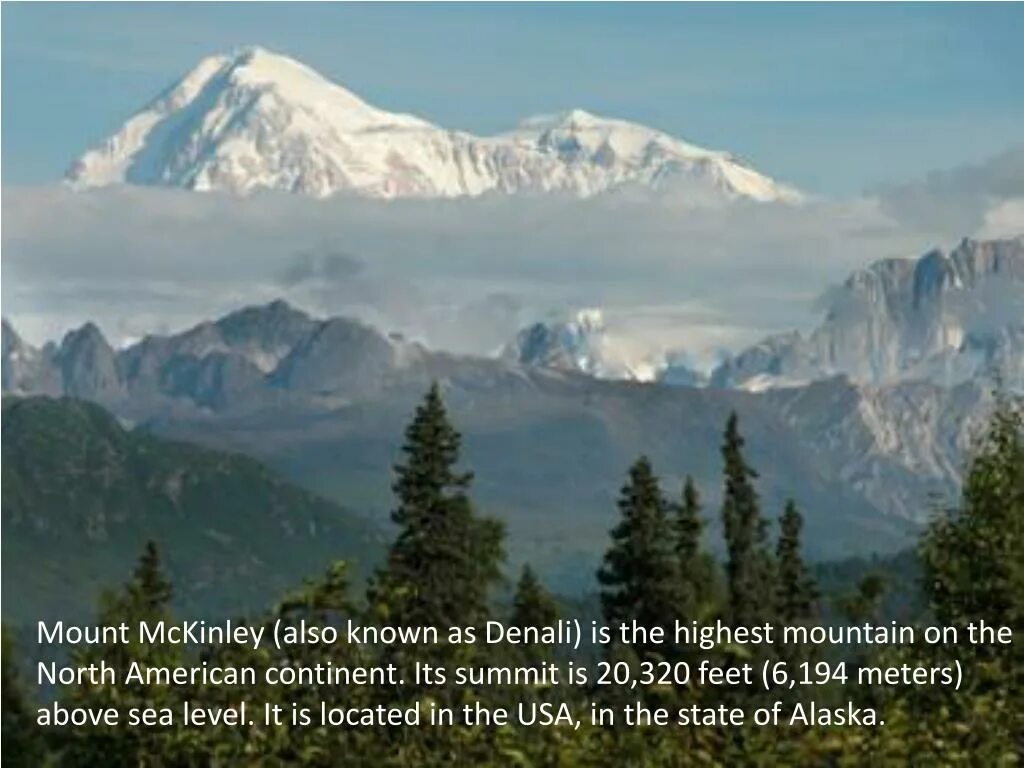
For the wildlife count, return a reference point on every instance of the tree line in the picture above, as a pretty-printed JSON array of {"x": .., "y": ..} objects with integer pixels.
[{"x": 445, "y": 565}]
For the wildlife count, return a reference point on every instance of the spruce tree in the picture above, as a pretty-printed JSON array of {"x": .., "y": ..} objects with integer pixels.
[
  {"x": 24, "y": 741},
  {"x": 863, "y": 603},
  {"x": 438, "y": 574},
  {"x": 749, "y": 568},
  {"x": 640, "y": 575},
  {"x": 973, "y": 569},
  {"x": 533, "y": 606},
  {"x": 796, "y": 591},
  {"x": 973, "y": 557},
  {"x": 446, "y": 558},
  {"x": 149, "y": 591},
  {"x": 324, "y": 601},
  {"x": 146, "y": 597},
  {"x": 696, "y": 569}
]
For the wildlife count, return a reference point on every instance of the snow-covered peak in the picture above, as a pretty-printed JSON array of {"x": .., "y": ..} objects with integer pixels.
[
  {"x": 571, "y": 345},
  {"x": 580, "y": 342},
  {"x": 244, "y": 121},
  {"x": 578, "y": 131},
  {"x": 262, "y": 70},
  {"x": 254, "y": 119},
  {"x": 635, "y": 154},
  {"x": 586, "y": 321}
]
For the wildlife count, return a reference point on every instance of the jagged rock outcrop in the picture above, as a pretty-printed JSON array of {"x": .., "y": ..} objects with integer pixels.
[{"x": 943, "y": 318}]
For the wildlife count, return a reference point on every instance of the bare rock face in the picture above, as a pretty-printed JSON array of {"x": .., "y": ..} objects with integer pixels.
[
  {"x": 26, "y": 369},
  {"x": 326, "y": 401},
  {"x": 944, "y": 318},
  {"x": 89, "y": 365}
]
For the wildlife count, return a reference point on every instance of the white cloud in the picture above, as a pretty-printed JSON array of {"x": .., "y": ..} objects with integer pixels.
[
  {"x": 960, "y": 200},
  {"x": 460, "y": 274},
  {"x": 1004, "y": 220}
]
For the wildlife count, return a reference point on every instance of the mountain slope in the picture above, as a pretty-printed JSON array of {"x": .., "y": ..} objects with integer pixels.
[
  {"x": 578, "y": 343},
  {"x": 548, "y": 443},
  {"x": 549, "y": 451},
  {"x": 81, "y": 495},
  {"x": 257, "y": 120},
  {"x": 944, "y": 318}
]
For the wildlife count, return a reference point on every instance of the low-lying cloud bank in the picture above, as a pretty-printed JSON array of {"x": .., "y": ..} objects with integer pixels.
[
  {"x": 466, "y": 274},
  {"x": 966, "y": 199}
]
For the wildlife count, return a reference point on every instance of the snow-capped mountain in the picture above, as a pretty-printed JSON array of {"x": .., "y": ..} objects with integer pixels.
[
  {"x": 943, "y": 318},
  {"x": 257, "y": 120},
  {"x": 569, "y": 345},
  {"x": 253, "y": 355},
  {"x": 330, "y": 396},
  {"x": 581, "y": 343}
]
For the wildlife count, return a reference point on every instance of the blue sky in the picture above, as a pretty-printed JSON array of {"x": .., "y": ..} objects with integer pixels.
[{"x": 833, "y": 98}]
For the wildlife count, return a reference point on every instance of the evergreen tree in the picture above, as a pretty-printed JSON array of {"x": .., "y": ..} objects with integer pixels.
[
  {"x": 864, "y": 602},
  {"x": 149, "y": 591},
  {"x": 23, "y": 740},
  {"x": 696, "y": 569},
  {"x": 640, "y": 575},
  {"x": 445, "y": 559},
  {"x": 796, "y": 590},
  {"x": 146, "y": 597},
  {"x": 533, "y": 605},
  {"x": 749, "y": 568},
  {"x": 973, "y": 569},
  {"x": 318, "y": 602},
  {"x": 438, "y": 574},
  {"x": 973, "y": 558}
]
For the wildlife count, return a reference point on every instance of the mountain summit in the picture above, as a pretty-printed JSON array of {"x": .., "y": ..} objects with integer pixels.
[
  {"x": 947, "y": 318},
  {"x": 256, "y": 120}
]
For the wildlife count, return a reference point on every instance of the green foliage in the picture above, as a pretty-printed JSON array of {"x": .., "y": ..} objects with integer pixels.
[
  {"x": 749, "y": 568},
  {"x": 82, "y": 495},
  {"x": 445, "y": 559},
  {"x": 640, "y": 574},
  {"x": 840, "y": 580},
  {"x": 533, "y": 605},
  {"x": 973, "y": 560},
  {"x": 23, "y": 741},
  {"x": 974, "y": 556},
  {"x": 863, "y": 603},
  {"x": 146, "y": 597},
  {"x": 796, "y": 593},
  {"x": 698, "y": 581},
  {"x": 439, "y": 573},
  {"x": 440, "y": 570}
]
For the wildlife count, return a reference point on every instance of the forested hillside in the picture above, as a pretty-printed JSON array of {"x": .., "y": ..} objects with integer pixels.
[
  {"x": 444, "y": 567},
  {"x": 82, "y": 494}
]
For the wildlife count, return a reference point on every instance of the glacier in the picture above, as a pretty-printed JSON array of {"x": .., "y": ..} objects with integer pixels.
[{"x": 255, "y": 120}]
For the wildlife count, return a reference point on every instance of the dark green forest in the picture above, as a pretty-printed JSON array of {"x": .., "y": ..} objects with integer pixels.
[
  {"x": 82, "y": 494},
  {"x": 445, "y": 568}
]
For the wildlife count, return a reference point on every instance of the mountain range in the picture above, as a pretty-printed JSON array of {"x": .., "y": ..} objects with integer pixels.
[
  {"x": 947, "y": 318},
  {"x": 324, "y": 401},
  {"x": 82, "y": 494},
  {"x": 944, "y": 318},
  {"x": 256, "y": 120}
]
